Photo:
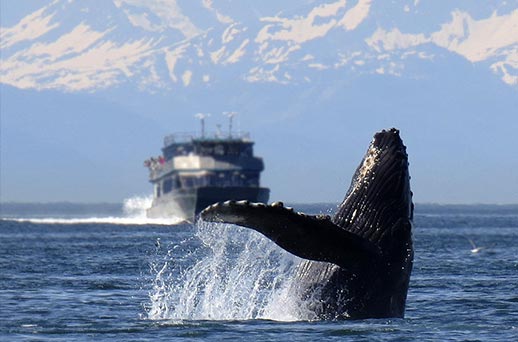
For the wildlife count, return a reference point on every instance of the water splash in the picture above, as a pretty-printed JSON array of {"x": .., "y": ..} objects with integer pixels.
[
  {"x": 136, "y": 206},
  {"x": 133, "y": 213},
  {"x": 225, "y": 272}
]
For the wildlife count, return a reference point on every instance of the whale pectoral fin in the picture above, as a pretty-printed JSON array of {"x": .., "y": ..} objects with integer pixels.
[{"x": 309, "y": 237}]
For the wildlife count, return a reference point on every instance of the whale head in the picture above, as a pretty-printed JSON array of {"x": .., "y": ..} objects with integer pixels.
[{"x": 378, "y": 204}]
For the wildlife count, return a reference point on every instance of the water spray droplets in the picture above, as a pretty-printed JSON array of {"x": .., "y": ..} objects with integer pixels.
[{"x": 225, "y": 273}]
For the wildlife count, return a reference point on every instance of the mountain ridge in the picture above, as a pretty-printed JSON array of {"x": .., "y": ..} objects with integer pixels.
[{"x": 157, "y": 47}]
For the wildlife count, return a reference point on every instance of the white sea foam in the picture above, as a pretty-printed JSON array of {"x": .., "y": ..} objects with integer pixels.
[
  {"x": 99, "y": 220},
  {"x": 133, "y": 213},
  {"x": 232, "y": 274}
]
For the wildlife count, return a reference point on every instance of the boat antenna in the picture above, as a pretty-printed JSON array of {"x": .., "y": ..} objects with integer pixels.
[
  {"x": 202, "y": 117},
  {"x": 230, "y": 116}
]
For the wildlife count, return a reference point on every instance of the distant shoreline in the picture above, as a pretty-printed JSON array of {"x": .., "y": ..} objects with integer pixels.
[{"x": 10, "y": 208}]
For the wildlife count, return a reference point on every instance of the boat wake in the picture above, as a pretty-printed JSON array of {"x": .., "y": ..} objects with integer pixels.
[
  {"x": 133, "y": 213},
  {"x": 98, "y": 220},
  {"x": 225, "y": 272}
]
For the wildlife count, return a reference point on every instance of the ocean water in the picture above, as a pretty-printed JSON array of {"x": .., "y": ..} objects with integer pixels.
[{"x": 86, "y": 274}]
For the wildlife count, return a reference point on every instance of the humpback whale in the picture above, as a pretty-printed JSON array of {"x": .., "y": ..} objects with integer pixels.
[{"x": 357, "y": 263}]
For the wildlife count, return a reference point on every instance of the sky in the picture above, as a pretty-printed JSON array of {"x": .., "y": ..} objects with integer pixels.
[{"x": 88, "y": 92}]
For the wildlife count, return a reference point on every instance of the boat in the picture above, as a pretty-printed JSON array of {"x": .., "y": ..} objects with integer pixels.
[{"x": 197, "y": 170}]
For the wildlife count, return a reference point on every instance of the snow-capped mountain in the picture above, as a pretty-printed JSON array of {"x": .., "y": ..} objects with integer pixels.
[{"x": 165, "y": 44}]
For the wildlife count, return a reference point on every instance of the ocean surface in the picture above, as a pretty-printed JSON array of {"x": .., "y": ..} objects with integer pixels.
[{"x": 106, "y": 273}]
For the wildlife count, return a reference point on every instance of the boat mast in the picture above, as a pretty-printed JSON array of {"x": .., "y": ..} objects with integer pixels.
[
  {"x": 230, "y": 116},
  {"x": 202, "y": 117}
]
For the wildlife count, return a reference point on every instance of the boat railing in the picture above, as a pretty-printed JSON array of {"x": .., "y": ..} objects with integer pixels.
[
  {"x": 157, "y": 170},
  {"x": 183, "y": 137}
]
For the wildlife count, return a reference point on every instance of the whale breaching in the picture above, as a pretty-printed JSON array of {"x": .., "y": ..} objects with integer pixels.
[{"x": 358, "y": 262}]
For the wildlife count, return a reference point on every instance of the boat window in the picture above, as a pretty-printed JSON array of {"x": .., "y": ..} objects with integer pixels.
[
  {"x": 176, "y": 182},
  {"x": 219, "y": 150},
  {"x": 180, "y": 151},
  {"x": 167, "y": 186},
  {"x": 247, "y": 151}
]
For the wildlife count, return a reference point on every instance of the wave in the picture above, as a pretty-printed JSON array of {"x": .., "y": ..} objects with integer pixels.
[
  {"x": 100, "y": 220},
  {"x": 133, "y": 213}
]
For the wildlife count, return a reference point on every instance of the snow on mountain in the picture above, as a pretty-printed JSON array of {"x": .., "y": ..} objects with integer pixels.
[
  {"x": 493, "y": 39},
  {"x": 161, "y": 45}
]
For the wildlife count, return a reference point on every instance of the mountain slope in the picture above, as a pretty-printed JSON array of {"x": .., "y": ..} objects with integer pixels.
[{"x": 162, "y": 45}]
